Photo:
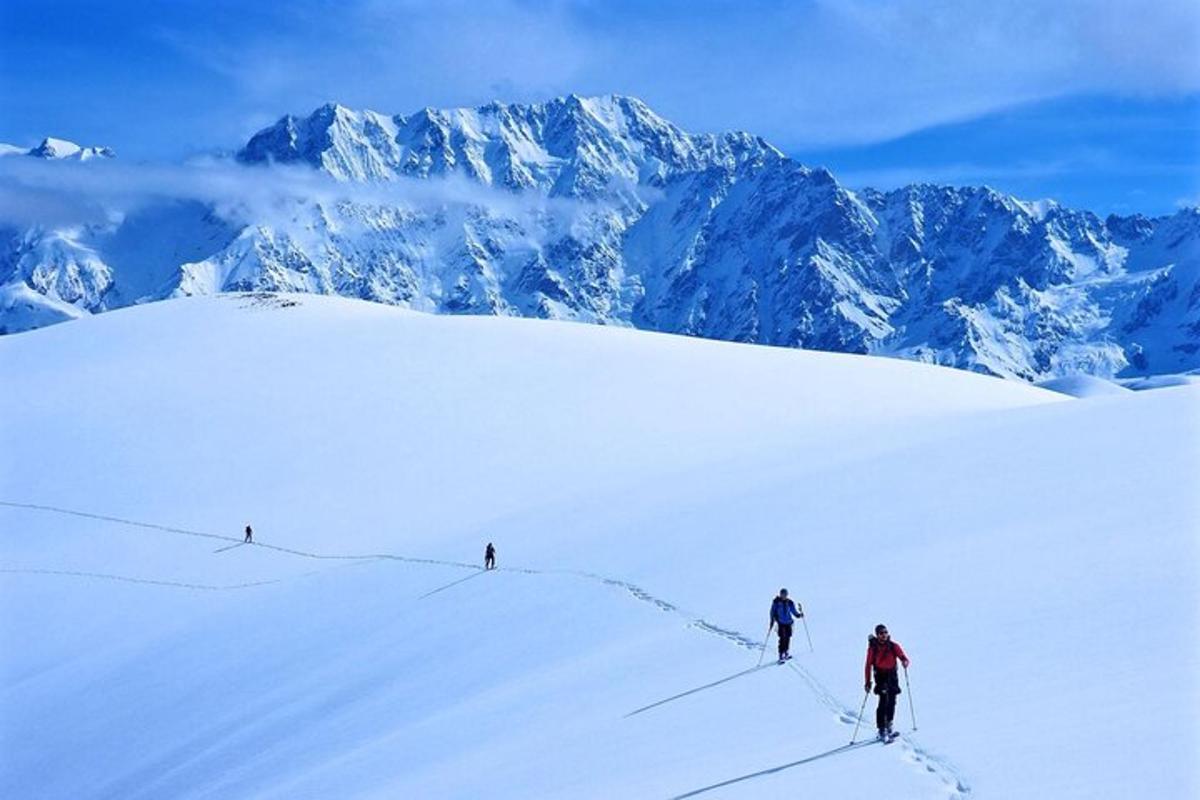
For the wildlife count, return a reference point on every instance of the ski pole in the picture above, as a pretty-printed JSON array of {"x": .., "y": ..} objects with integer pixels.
[
  {"x": 806, "y": 636},
  {"x": 770, "y": 627},
  {"x": 861, "y": 709},
  {"x": 908, "y": 689}
]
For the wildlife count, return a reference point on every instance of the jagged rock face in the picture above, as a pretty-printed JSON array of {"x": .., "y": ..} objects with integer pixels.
[
  {"x": 48, "y": 277},
  {"x": 570, "y": 147},
  {"x": 597, "y": 209}
]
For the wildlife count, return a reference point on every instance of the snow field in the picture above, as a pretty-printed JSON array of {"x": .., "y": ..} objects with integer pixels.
[{"x": 1035, "y": 555}]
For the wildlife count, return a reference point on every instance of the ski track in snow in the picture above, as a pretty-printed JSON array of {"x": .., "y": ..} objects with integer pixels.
[
  {"x": 918, "y": 755},
  {"x": 235, "y": 539},
  {"x": 126, "y": 579},
  {"x": 937, "y": 766}
]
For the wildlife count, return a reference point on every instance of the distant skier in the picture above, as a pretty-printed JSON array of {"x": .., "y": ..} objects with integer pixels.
[
  {"x": 882, "y": 654},
  {"x": 783, "y": 614},
  {"x": 249, "y": 536},
  {"x": 489, "y": 557}
]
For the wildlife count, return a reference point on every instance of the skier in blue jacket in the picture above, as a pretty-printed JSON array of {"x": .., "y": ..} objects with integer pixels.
[{"x": 783, "y": 613}]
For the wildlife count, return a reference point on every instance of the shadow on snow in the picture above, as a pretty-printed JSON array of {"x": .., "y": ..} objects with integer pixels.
[
  {"x": 844, "y": 748},
  {"x": 700, "y": 688},
  {"x": 454, "y": 583}
]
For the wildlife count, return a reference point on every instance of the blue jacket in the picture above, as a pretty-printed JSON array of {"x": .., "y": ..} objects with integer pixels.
[{"x": 783, "y": 612}]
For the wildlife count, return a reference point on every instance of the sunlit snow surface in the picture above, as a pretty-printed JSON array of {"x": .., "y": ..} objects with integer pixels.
[{"x": 647, "y": 494}]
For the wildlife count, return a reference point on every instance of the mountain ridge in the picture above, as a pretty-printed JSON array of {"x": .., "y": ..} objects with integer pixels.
[
  {"x": 715, "y": 235},
  {"x": 55, "y": 149}
]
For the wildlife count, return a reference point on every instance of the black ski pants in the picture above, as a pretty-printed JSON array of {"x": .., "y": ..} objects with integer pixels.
[
  {"x": 887, "y": 686},
  {"x": 785, "y": 637}
]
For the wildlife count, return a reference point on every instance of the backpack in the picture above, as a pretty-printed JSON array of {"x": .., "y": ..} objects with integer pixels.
[
  {"x": 874, "y": 645},
  {"x": 777, "y": 605}
]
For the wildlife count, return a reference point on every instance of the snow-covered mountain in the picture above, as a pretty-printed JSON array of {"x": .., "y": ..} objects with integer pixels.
[
  {"x": 597, "y": 209},
  {"x": 50, "y": 274},
  {"x": 58, "y": 150}
]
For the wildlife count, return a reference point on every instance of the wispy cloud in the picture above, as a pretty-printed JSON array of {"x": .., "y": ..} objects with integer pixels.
[
  {"x": 974, "y": 173},
  {"x": 804, "y": 74},
  {"x": 164, "y": 79},
  {"x": 395, "y": 56},
  {"x": 62, "y": 194}
]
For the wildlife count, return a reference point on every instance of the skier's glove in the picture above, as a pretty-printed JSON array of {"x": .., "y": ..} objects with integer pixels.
[{"x": 867, "y": 686}]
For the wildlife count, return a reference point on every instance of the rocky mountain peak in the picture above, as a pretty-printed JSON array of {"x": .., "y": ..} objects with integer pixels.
[
  {"x": 714, "y": 235},
  {"x": 61, "y": 149}
]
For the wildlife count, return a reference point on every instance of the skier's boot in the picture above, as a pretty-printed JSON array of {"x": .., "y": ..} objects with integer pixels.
[{"x": 882, "y": 735}]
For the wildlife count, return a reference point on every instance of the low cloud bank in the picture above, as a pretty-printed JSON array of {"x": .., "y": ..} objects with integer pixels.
[{"x": 54, "y": 194}]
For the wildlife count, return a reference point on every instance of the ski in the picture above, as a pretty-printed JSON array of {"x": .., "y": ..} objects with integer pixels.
[{"x": 865, "y": 742}]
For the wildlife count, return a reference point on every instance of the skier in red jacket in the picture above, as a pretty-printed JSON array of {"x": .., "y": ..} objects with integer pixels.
[{"x": 882, "y": 654}]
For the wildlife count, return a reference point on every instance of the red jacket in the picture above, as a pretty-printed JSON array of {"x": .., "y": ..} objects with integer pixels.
[{"x": 883, "y": 655}]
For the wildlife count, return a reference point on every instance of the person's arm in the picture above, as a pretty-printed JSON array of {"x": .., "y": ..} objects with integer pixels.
[
  {"x": 867, "y": 671},
  {"x": 902, "y": 656},
  {"x": 798, "y": 610}
]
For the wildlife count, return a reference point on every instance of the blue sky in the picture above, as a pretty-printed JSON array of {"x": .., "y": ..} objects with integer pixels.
[{"x": 1094, "y": 103}]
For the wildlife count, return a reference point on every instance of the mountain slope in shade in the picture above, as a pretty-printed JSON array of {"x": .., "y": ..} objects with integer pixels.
[{"x": 597, "y": 209}]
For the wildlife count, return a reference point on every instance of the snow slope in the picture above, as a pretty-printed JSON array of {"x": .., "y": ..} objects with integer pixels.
[
  {"x": 1083, "y": 386},
  {"x": 647, "y": 494}
]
